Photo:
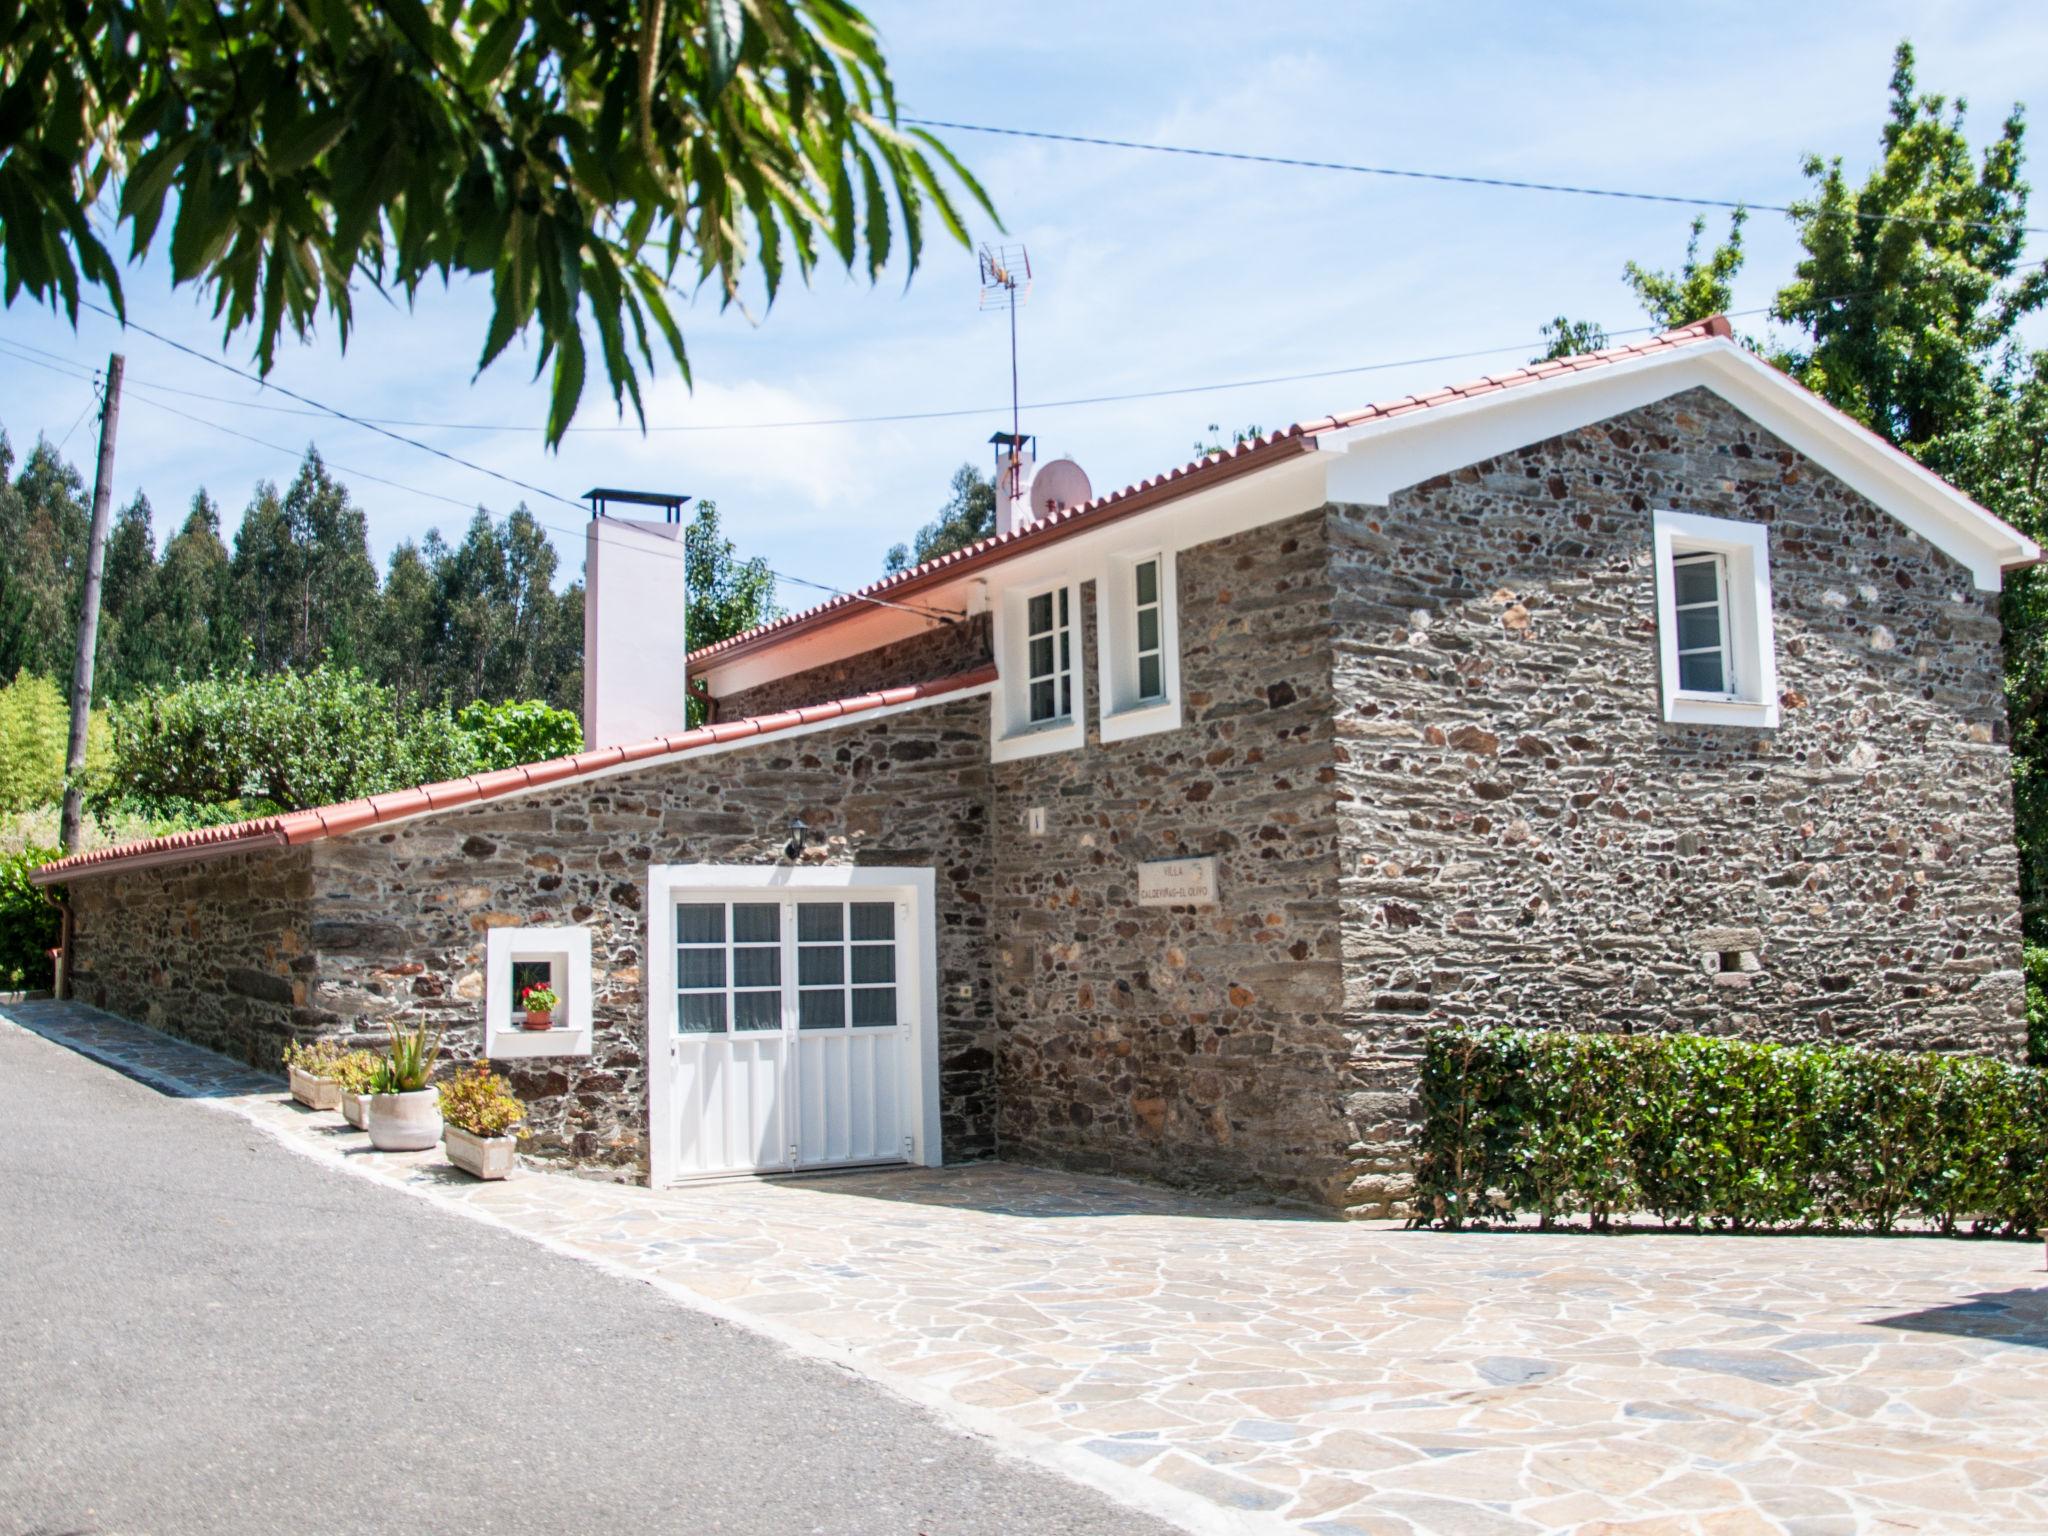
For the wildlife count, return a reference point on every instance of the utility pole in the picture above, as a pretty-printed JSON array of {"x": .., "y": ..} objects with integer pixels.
[{"x": 89, "y": 606}]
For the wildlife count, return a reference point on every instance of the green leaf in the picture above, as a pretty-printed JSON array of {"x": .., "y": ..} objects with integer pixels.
[
  {"x": 723, "y": 23},
  {"x": 567, "y": 386}
]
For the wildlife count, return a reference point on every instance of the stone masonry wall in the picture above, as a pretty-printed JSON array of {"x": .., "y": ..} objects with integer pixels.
[
  {"x": 1527, "y": 842},
  {"x": 399, "y": 916},
  {"x": 944, "y": 650},
  {"x": 1200, "y": 1046},
  {"x": 215, "y": 951}
]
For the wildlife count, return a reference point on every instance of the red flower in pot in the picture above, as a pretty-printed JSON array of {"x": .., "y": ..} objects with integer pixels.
[{"x": 539, "y": 1001}]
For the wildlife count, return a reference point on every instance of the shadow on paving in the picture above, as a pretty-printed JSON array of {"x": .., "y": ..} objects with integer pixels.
[
  {"x": 1003, "y": 1188},
  {"x": 170, "y": 1066},
  {"x": 1997, "y": 1317}
]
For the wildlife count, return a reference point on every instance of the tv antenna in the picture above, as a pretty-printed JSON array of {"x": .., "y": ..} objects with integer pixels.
[{"x": 1005, "y": 284}]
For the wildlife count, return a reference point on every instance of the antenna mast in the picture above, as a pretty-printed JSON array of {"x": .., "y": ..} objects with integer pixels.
[{"x": 1005, "y": 284}]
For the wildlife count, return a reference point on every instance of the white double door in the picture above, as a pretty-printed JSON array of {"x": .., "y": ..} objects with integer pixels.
[{"x": 785, "y": 1029}]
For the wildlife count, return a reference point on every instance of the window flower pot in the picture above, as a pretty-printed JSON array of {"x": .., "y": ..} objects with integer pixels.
[
  {"x": 487, "y": 1157},
  {"x": 355, "y": 1108},
  {"x": 315, "y": 1092},
  {"x": 539, "y": 1019},
  {"x": 404, "y": 1122}
]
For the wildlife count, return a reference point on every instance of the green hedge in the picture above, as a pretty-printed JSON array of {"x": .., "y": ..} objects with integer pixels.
[
  {"x": 1732, "y": 1133},
  {"x": 29, "y": 925}
]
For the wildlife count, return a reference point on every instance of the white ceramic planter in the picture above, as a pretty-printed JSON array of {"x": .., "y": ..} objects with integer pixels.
[
  {"x": 315, "y": 1092},
  {"x": 355, "y": 1107},
  {"x": 404, "y": 1122},
  {"x": 488, "y": 1157}
]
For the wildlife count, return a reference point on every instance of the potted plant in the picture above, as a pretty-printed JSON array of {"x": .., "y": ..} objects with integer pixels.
[
  {"x": 540, "y": 1002},
  {"x": 356, "y": 1072},
  {"x": 404, "y": 1114},
  {"x": 311, "y": 1070},
  {"x": 479, "y": 1111}
]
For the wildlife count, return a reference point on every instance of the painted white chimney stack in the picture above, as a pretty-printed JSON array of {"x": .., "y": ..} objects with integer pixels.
[{"x": 634, "y": 641}]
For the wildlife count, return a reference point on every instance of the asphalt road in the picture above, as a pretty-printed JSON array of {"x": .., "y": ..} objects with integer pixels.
[{"x": 201, "y": 1332}]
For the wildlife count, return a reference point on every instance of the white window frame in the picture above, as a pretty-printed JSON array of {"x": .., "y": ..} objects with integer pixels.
[
  {"x": 1016, "y": 735},
  {"x": 917, "y": 948},
  {"x": 567, "y": 951},
  {"x": 1124, "y": 713},
  {"x": 1749, "y": 649}
]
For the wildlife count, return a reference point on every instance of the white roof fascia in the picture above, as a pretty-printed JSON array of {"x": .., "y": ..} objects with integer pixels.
[{"x": 1368, "y": 463}]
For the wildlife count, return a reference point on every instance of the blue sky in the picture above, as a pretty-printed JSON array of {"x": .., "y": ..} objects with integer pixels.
[{"x": 1152, "y": 272}]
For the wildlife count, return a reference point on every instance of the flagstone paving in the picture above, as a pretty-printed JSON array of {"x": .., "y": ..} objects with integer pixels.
[{"x": 1280, "y": 1372}]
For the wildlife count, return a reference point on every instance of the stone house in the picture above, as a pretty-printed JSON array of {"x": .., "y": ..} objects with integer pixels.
[{"x": 1639, "y": 690}]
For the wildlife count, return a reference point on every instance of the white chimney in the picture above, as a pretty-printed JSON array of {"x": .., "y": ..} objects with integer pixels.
[
  {"x": 1013, "y": 489},
  {"x": 633, "y": 637}
]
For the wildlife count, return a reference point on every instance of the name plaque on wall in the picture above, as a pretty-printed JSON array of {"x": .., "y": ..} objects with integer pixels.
[{"x": 1177, "y": 882}]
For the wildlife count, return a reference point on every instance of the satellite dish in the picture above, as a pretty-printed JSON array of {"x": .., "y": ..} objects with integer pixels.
[{"x": 1059, "y": 486}]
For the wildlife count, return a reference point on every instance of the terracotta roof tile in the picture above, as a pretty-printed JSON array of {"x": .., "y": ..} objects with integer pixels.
[
  {"x": 296, "y": 827},
  {"x": 1239, "y": 458}
]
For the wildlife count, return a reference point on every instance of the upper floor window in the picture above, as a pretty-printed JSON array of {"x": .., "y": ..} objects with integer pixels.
[
  {"x": 1037, "y": 707},
  {"x": 1049, "y": 656},
  {"x": 1151, "y": 656},
  {"x": 1140, "y": 683},
  {"x": 1718, "y": 653}
]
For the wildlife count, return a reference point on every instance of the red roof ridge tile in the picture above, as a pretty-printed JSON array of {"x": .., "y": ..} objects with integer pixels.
[{"x": 294, "y": 828}]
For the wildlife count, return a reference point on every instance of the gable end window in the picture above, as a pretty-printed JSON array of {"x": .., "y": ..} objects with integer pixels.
[
  {"x": 1140, "y": 650},
  {"x": 1718, "y": 655},
  {"x": 1037, "y": 706}
]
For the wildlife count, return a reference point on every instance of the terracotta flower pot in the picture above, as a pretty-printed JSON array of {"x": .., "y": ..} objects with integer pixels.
[{"x": 537, "y": 1018}]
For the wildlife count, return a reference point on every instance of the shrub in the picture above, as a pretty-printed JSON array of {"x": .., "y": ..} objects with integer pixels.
[
  {"x": 35, "y": 728},
  {"x": 1736, "y": 1133},
  {"x": 356, "y": 1071},
  {"x": 517, "y": 732},
  {"x": 319, "y": 1058},
  {"x": 480, "y": 1102},
  {"x": 29, "y": 926},
  {"x": 291, "y": 739},
  {"x": 2037, "y": 1004}
]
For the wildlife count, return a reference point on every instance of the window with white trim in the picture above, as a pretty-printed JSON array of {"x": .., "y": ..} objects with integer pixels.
[
  {"x": 1140, "y": 661},
  {"x": 1718, "y": 660},
  {"x": 1049, "y": 657},
  {"x": 1037, "y": 705}
]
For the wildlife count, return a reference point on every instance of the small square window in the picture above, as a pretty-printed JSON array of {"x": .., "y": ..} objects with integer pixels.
[{"x": 532, "y": 973}]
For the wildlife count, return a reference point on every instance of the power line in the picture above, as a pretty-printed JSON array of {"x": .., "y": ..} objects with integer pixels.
[
  {"x": 368, "y": 426},
  {"x": 356, "y": 474},
  {"x": 1451, "y": 178},
  {"x": 943, "y": 615},
  {"x": 947, "y": 414}
]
